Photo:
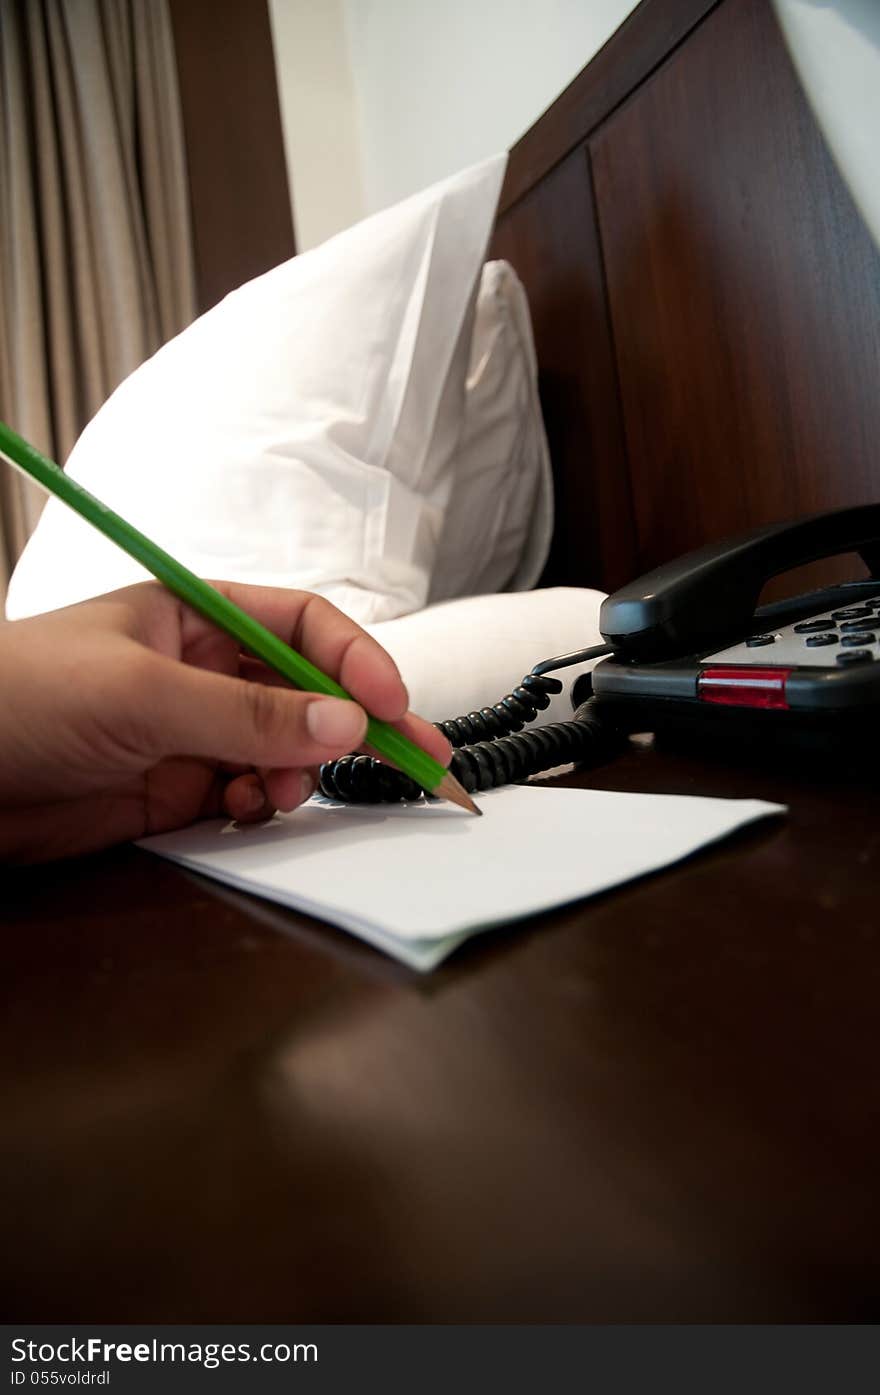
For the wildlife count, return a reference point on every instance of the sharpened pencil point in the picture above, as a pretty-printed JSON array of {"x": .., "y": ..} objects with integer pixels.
[{"x": 450, "y": 789}]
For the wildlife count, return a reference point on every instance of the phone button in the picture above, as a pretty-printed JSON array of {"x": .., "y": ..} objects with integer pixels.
[
  {"x": 851, "y": 613},
  {"x": 855, "y": 656},
  {"x": 757, "y": 640},
  {"x": 814, "y": 641},
  {"x": 806, "y": 626},
  {"x": 857, "y": 624},
  {"x": 860, "y": 638}
]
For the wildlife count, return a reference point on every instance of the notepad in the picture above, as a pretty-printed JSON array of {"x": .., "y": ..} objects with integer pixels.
[{"x": 416, "y": 880}]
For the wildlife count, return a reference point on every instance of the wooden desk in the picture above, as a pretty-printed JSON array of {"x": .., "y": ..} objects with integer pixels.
[{"x": 660, "y": 1105}]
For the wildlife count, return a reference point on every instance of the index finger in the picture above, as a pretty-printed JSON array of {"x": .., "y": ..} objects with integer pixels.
[
  {"x": 423, "y": 733},
  {"x": 329, "y": 639}
]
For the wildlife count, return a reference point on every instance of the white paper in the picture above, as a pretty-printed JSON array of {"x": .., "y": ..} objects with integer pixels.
[{"x": 415, "y": 880}]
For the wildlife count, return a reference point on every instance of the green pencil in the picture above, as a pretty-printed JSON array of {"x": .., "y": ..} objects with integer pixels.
[{"x": 386, "y": 740}]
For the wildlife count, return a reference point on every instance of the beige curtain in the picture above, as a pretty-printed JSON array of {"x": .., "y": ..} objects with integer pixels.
[{"x": 96, "y": 263}]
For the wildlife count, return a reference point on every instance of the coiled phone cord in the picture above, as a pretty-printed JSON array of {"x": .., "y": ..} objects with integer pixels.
[{"x": 490, "y": 747}]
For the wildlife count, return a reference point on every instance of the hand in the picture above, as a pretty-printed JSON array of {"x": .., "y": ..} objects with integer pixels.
[{"x": 130, "y": 715}]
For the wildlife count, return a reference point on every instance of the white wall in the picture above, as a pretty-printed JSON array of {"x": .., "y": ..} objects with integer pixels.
[
  {"x": 441, "y": 85},
  {"x": 381, "y": 97},
  {"x": 318, "y": 117}
]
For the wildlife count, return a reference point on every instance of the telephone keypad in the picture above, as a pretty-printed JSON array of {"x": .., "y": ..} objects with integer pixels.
[{"x": 854, "y": 628}]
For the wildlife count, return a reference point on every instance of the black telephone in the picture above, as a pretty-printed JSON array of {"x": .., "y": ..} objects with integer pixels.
[
  {"x": 688, "y": 635},
  {"x": 685, "y": 644}
]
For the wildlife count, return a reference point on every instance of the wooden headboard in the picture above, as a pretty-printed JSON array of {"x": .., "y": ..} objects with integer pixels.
[{"x": 705, "y": 296}]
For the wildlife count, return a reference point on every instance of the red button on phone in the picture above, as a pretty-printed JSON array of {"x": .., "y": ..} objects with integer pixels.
[{"x": 744, "y": 687}]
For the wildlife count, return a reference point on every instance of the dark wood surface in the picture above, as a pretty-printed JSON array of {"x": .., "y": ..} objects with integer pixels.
[
  {"x": 239, "y": 195},
  {"x": 559, "y": 261},
  {"x": 662, "y": 1104},
  {"x": 744, "y": 294},
  {"x": 645, "y": 39},
  {"x": 696, "y": 266}
]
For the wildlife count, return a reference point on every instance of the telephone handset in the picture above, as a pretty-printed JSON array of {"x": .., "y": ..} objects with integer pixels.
[{"x": 683, "y": 642}]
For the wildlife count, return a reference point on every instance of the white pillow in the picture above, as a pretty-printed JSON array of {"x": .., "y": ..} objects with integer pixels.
[
  {"x": 302, "y": 432},
  {"x": 499, "y": 519},
  {"x": 469, "y": 653}
]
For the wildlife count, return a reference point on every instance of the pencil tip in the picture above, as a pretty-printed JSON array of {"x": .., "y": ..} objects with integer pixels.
[{"x": 449, "y": 788}]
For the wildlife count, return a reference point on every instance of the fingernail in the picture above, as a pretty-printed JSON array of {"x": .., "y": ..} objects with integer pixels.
[
  {"x": 308, "y": 785},
  {"x": 254, "y": 798},
  {"x": 335, "y": 722}
]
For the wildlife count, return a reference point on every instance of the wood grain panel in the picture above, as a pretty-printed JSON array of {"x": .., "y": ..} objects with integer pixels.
[
  {"x": 550, "y": 237},
  {"x": 644, "y": 40},
  {"x": 242, "y": 219},
  {"x": 744, "y": 290}
]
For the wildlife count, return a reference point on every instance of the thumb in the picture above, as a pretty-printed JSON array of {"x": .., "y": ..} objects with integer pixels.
[{"x": 193, "y": 712}]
